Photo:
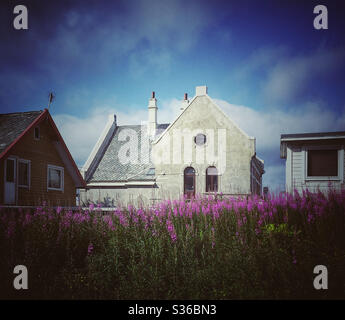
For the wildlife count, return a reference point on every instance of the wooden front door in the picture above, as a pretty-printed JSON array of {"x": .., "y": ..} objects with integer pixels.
[{"x": 189, "y": 182}]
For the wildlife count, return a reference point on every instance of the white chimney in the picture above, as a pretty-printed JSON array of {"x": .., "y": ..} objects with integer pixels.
[
  {"x": 201, "y": 91},
  {"x": 152, "y": 123},
  {"x": 184, "y": 103}
]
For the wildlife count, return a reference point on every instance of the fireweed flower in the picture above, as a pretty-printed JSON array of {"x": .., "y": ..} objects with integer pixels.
[
  {"x": 109, "y": 221},
  {"x": 171, "y": 230},
  {"x": 90, "y": 248}
]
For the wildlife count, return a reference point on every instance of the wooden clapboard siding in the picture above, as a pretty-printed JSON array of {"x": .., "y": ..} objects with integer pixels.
[
  {"x": 41, "y": 153},
  {"x": 297, "y": 167}
]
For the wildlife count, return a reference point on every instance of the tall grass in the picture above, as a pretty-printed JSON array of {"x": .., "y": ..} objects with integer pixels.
[{"x": 207, "y": 248}]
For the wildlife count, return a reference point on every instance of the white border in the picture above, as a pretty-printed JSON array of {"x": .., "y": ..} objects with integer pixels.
[
  {"x": 49, "y": 166},
  {"x": 339, "y": 177}
]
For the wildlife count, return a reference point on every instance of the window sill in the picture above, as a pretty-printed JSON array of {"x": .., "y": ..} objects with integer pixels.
[
  {"x": 23, "y": 186},
  {"x": 322, "y": 179},
  {"x": 54, "y": 189}
]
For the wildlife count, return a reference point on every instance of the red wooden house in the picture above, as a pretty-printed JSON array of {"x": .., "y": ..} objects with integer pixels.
[{"x": 35, "y": 164}]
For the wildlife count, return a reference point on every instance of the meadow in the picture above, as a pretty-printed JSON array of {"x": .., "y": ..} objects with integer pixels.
[{"x": 212, "y": 247}]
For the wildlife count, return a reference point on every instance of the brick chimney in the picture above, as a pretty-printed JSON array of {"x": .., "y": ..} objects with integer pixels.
[
  {"x": 152, "y": 123},
  {"x": 184, "y": 103}
]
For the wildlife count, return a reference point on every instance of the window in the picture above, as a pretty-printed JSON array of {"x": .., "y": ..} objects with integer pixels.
[
  {"x": 200, "y": 139},
  {"x": 189, "y": 182},
  {"x": 55, "y": 177},
  {"x": 211, "y": 179},
  {"x": 10, "y": 165},
  {"x": 23, "y": 173},
  {"x": 37, "y": 133},
  {"x": 322, "y": 163}
]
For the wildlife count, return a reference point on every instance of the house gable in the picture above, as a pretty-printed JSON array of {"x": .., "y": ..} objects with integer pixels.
[
  {"x": 203, "y": 116},
  {"x": 40, "y": 144}
]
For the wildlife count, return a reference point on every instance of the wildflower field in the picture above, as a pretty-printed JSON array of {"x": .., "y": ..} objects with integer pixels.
[{"x": 207, "y": 248}]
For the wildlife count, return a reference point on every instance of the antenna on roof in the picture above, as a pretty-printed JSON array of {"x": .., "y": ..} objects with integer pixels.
[{"x": 51, "y": 98}]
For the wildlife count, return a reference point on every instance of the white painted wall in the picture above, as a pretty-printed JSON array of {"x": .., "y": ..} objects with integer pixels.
[{"x": 296, "y": 170}]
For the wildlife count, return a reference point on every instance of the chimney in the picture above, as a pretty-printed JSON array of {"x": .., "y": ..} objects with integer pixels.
[
  {"x": 201, "y": 91},
  {"x": 152, "y": 123},
  {"x": 185, "y": 102}
]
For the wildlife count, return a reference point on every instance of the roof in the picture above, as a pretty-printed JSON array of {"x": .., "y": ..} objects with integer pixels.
[
  {"x": 313, "y": 136},
  {"x": 12, "y": 125},
  {"x": 110, "y": 168},
  {"x": 316, "y": 136},
  {"x": 259, "y": 163}
]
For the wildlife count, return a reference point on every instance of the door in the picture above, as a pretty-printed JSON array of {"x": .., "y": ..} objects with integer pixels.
[
  {"x": 189, "y": 182},
  {"x": 10, "y": 181}
]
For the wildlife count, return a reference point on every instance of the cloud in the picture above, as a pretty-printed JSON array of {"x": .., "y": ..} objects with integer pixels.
[
  {"x": 260, "y": 60},
  {"x": 267, "y": 125},
  {"x": 290, "y": 77},
  {"x": 282, "y": 76},
  {"x": 85, "y": 33},
  {"x": 81, "y": 133},
  {"x": 157, "y": 60}
]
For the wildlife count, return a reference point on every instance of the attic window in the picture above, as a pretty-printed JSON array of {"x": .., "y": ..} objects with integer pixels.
[
  {"x": 200, "y": 139},
  {"x": 55, "y": 178},
  {"x": 37, "y": 133},
  {"x": 151, "y": 172}
]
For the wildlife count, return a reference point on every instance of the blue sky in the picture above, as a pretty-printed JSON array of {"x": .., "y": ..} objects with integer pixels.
[{"x": 263, "y": 62}]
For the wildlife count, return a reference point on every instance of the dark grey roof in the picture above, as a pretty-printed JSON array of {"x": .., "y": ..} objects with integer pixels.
[
  {"x": 259, "y": 164},
  {"x": 110, "y": 167},
  {"x": 312, "y": 135},
  {"x": 12, "y": 126}
]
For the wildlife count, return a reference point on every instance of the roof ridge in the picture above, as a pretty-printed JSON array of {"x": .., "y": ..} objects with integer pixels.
[
  {"x": 139, "y": 125},
  {"x": 10, "y": 113}
]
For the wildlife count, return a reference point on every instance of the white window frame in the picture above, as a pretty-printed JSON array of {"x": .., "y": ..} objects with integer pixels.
[
  {"x": 339, "y": 177},
  {"x": 28, "y": 162},
  {"x": 61, "y": 169}
]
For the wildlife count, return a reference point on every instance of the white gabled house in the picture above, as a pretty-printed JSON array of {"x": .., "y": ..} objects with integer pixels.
[
  {"x": 314, "y": 161},
  {"x": 202, "y": 151}
]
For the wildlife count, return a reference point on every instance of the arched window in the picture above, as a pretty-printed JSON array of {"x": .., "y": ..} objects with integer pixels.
[
  {"x": 211, "y": 179},
  {"x": 189, "y": 182}
]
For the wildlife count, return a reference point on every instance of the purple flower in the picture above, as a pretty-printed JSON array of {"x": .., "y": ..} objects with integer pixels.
[
  {"x": 90, "y": 248},
  {"x": 171, "y": 230}
]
